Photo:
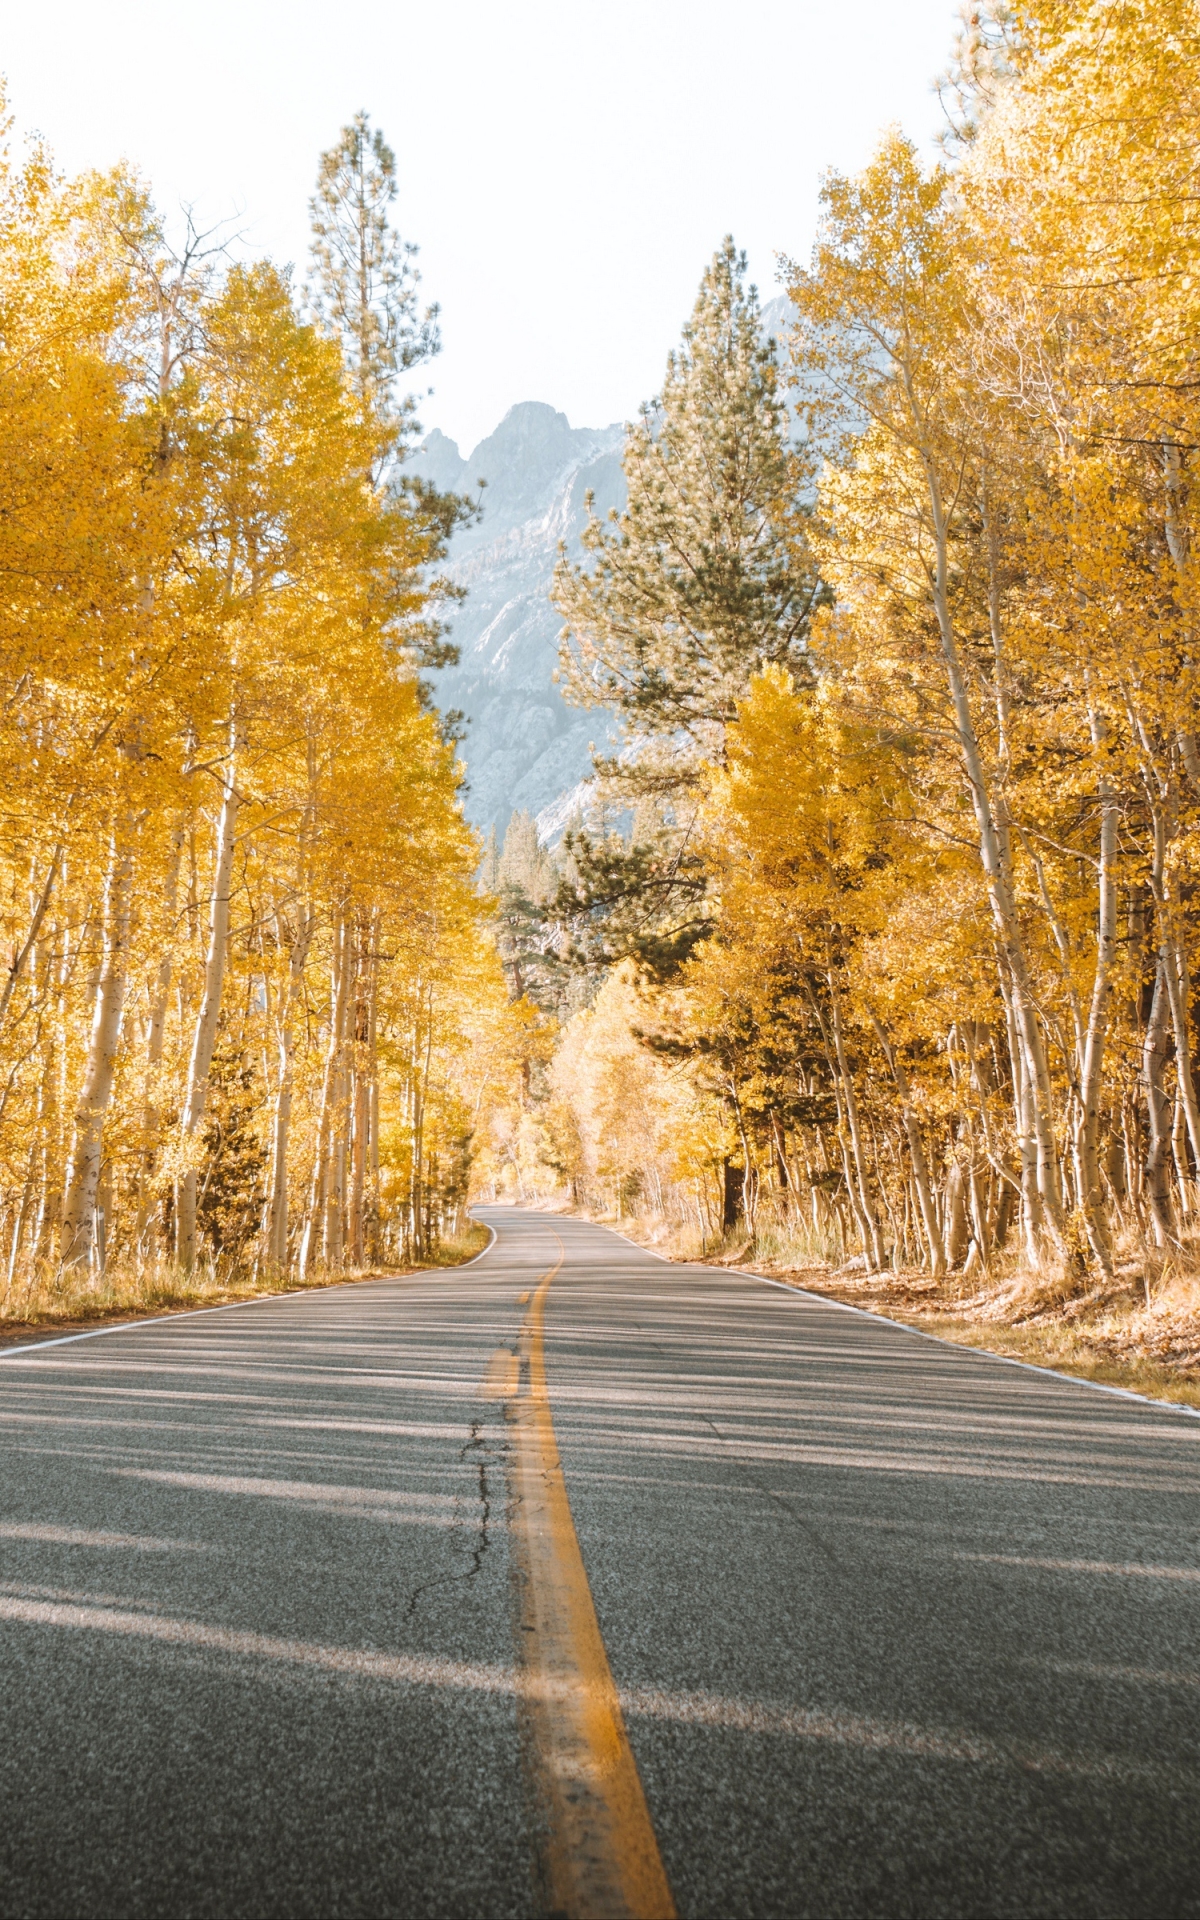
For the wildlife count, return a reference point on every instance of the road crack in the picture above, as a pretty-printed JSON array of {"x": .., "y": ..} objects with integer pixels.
[{"x": 477, "y": 1446}]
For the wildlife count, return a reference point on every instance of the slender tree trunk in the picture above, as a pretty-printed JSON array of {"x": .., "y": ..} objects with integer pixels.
[
  {"x": 1154, "y": 1054},
  {"x": 1179, "y": 988},
  {"x": 49, "y": 1224},
  {"x": 1031, "y": 1200},
  {"x": 1179, "y": 1155},
  {"x": 151, "y": 1116},
  {"x": 996, "y": 865},
  {"x": 420, "y": 1089},
  {"x": 1173, "y": 955},
  {"x": 314, "y": 1228},
  {"x": 958, "y": 1237},
  {"x": 276, "y": 1210},
  {"x": 360, "y": 1103},
  {"x": 16, "y": 966},
  {"x": 333, "y": 1235},
  {"x": 916, "y": 1153},
  {"x": 24, "y": 1207},
  {"x": 874, "y": 1239},
  {"x": 205, "y": 1037},
  {"x": 373, "y": 1204},
  {"x": 1179, "y": 547},
  {"x": 1091, "y": 1066},
  {"x": 360, "y": 1124},
  {"x": 79, "y": 1206}
]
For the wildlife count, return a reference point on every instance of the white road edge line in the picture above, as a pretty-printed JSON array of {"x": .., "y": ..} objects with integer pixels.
[
  {"x": 478, "y": 1256},
  {"x": 259, "y": 1300},
  {"x": 984, "y": 1353}
]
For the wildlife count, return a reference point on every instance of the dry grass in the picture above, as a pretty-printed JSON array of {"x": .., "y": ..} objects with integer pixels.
[
  {"x": 668, "y": 1237},
  {"x": 57, "y": 1302}
]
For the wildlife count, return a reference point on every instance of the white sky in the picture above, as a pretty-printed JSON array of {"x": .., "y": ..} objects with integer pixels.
[{"x": 566, "y": 169}]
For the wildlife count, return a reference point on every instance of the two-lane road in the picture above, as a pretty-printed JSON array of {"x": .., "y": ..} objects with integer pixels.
[{"x": 294, "y": 1615}]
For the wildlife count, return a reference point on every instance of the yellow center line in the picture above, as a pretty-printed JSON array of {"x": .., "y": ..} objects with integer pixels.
[
  {"x": 598, "y": 1855},
  {"x": 501, "y": 1376}
]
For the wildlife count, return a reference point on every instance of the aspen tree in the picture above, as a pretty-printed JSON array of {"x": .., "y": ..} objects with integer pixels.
[
  {"x": 213, "y": 746},
  {"x": 887, "y": 288}
]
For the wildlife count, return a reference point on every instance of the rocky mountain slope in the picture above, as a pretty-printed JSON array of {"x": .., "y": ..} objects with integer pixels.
[{"x": 525, "y": 749}]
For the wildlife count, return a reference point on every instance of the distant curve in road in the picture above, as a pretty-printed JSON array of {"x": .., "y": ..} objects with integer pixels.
[{"x": 891, "y": 1627}]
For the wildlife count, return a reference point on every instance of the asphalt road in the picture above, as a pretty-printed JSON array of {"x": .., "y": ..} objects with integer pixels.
[{"x": 898, "y": 1628}]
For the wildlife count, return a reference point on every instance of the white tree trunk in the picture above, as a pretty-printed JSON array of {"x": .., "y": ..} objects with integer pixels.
[
  {"x": 151, "y": 1118},
  {"x": 314, "y": 1226},
  {"x": 995, "y": 863},
  {"x": 83, "y": 1178},
  {"x": 916, "y": 1153},
  {"x": 277, "y": 1200},
  {"x": 204, "y": 1039}
]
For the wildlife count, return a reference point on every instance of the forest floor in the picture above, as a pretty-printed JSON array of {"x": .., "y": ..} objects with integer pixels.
[
  {"x": 59, "y": 1305},
  {"x": 1142, "y": 1337}
]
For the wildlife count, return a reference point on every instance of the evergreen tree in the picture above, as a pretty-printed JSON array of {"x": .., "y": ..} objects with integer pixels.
[
  {"x": 365, "y": 277},
  {"x": 524, "y": 861},
  {"x": 526, "y": 877},
  {"x": 363, "y": 291},
  {"x": 706, "y": 577}
]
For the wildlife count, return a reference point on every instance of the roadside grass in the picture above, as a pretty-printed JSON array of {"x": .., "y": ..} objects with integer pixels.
[
  {"x": 57, "y": 1301},
  {"x": 457, "y": 1247}
]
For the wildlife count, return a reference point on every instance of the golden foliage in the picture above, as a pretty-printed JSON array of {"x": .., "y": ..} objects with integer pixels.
[{"x": 248, "y": 974}]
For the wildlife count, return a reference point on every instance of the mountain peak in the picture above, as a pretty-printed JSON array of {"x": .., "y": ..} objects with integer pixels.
[{"x": 523, "y": 747}]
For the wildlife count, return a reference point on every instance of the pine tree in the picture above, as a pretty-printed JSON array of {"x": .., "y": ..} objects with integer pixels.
[
  {"x": 706, "y": 577},
  {"x": 363, "y": 290},
  {"x": 365, "y": 279}
]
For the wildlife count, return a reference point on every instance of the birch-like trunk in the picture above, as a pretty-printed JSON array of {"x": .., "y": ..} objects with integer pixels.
[
  {"x": 993, "y": 853},
  {"x": 1179, "y": 548},
  {"x": 333, "y": 1234},
  {"x": 916, "y": 1153},
  {"x": 360, "y": 1121},
  {"x": 1031, "y": 1199},
  {"x": 874, "y": 1239},
  {"x": 205, "y": 1037},
  {"x": 372, "y": 1203},
  {"x": 16, "y": 966},
  {"x": 958, "y": 1233},
  {"x": 151, "y": 1116},
  {"x": 420, "y": 1084},
  {"x": 314, "y": 1226},
  {"x": 1158, "y": 1127},
  {"x": 1174, "y": 959},
  {"x": 1091, "y": 1065},
  {"x": 87, "y": 1152},
  {"x": 276, "y": 1211}
]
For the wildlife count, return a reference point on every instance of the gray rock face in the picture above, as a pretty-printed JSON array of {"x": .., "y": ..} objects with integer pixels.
[{"x": 524, "y": 748}]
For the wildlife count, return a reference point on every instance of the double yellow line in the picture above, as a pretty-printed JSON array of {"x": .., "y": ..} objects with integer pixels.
[{"x": 598, "y": 1854}]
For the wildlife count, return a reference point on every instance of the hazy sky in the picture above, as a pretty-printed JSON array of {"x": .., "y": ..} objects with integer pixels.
[{"x": 565, "y": 169}]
